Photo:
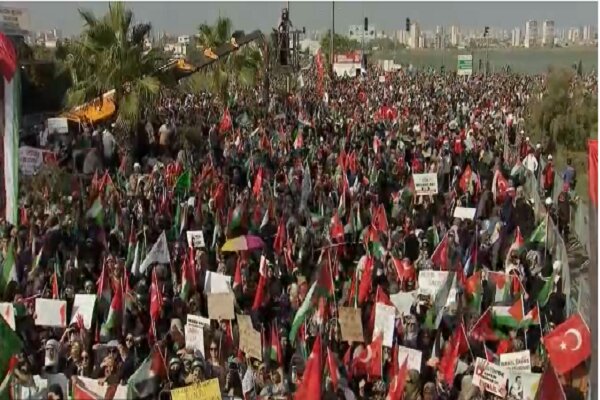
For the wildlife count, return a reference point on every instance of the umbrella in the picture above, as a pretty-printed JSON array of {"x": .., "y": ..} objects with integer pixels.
[{"x": 245, "y": 242}]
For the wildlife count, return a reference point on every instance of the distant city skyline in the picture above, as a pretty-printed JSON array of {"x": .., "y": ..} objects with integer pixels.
[{"x": 178, "y": 18}]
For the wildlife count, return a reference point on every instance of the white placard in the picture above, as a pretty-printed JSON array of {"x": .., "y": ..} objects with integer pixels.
[
  {"x": 425, "y": 184},
  {"x": 403, "y": 301},
  {"x": 385, "y": 318},
  {"x": 36, "y": 391},
  {"x": 464, "y": 212},
  {"x": 84, "y": 305},
  {"x": 523, "y": 385},
  {"x": 198, "y": 320},
  {"x": 8, "y": 313},
  {"x": 382, "y": 79},
  {"x": 51, "y": 313},
  {"x": 430, "y": 282},
  {"x": 58, "y": 125},
  {"x": 194, "y": 338},
  {"x": 195, "y": 239},
  {"x": 490, "y": 377},
  {"x": 32, "y": 159},
  {"x": 217, "y": 283},
  {"x": 518, "y": 361},
  {"x": 414, "y": 357}
]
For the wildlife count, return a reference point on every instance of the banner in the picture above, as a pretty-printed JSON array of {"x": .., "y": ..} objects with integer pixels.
[
  {"x": 523, "y": 385},
  {"x": 430, "y": 282},
  {"x": 490, "y": 377},
  {"x": 207, "y": 390},
  {"x": 57, "y": 125},
  {"x": 32, "y": 159},
  {"x": 414, "y": 357},
  {"x": 385, "y": 318},
  {"x": 518, "y": 361},
  {"x": 425, "y": 184},
  {"x": 350, "y": 324},
  {"x": 12, "y": 113}
]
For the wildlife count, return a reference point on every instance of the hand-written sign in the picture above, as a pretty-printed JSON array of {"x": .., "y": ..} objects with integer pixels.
[
  {"x": 220, "y": 306},
  {"x": 425, "y": 184},
  {"x": 194, "y": 338},
  {"x": 517, "y": 361},
  {"x": 351, "y": 324},
  {"x": 490, "y": 377},
  {"x": 430, "y": 282},
  {"x": 250, "y": 342},
  {"x": 207, "y": 390},
  {"x": 195, "y": 239}
]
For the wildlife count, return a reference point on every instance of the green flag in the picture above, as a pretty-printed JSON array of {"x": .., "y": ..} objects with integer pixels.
[
  {"x": 9, "y": 269},
  {"x": 184, "y": 182},
  {"x": 538, "y": 236},
  {"x": 96, "y": 212},
  {"x": 10, "y": 344}
]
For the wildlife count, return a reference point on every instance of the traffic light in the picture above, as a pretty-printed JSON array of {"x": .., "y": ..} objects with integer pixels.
[
  {"x": 486, "y": 31},
  {"x": 366, "y": 24},
  {"x": 407, "y": 24}
]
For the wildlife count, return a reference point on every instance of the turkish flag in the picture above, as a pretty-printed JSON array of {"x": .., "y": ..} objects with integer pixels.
[
  {"x": 225, "y": 123},
  {"x": 310, "y": 387},
  {"x": 568, "y": 344},
  {"x": 549, "y": 387},
  {"x": 369, "y": 360},
  {"x": 8, "y": 57},
  {"x": 396, "y": 390}
]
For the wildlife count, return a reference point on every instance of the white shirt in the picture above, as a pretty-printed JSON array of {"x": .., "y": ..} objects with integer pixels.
[
  {"x": 108, "y": 144},
  {"x": 530, "y": 162}
]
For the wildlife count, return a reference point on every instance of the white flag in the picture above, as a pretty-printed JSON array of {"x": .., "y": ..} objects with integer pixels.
[{"x": 159, "y": 253}]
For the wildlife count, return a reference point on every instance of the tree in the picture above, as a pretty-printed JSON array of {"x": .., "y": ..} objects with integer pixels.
[
  {"x": 109, "y": 55},
  {"x": 241, "y": 68},
  {"x": 341, "y": 44}
]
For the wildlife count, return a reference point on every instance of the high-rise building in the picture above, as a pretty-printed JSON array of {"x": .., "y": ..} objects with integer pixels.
[
  {"x": 531, "y": 33},
  {"x": 454, "y": 35},
  {"x": 588, "y": 33},
  {"x": 415, "y": 34},
  {"x": 575, "y": 35},
  {"x": 548, "y": 33},
  {"x": 516, "y": 37}
]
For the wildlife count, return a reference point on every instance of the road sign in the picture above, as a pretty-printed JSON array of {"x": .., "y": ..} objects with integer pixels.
[{"x": 465, "y": 64}]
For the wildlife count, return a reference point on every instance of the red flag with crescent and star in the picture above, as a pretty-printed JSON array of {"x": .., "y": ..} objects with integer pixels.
[{"x": 569, "y": 344}]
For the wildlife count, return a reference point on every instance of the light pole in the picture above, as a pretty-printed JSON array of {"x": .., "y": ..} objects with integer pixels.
[{"x": 331, "y": 55}]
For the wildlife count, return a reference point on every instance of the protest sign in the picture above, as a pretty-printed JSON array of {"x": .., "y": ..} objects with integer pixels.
[
  {"x": 464, "y": 212},
  {"x": 32, "y": 160},
  {"x": 217, "y": 283},
  {"x": 523, "y": 385},
  {"x": 425, "y": 184},
  {"x": 207, "y": 390},
  {"x": 83, "y": 305},
  {"x": 413, "y": 356},
  {"x": 250, "y": 341},
  {"x": 199, "y": 321},
  {"x": 8, "y": 313},
  {"x": 517, "y": 361},
  {"x": 403, "y": 301},
  {"x": 58, "y": 125},
  {"x": 194, "y": 338},
  {"x": 51, "y": 313},
  {"x": 430, "y": 282},
  {"x": 385, "y": 317},
  {"x": 490, "y": 377},
  {"x": 220, "y": 306},
  {"x": 351, "y": 324},
  {"x": 195, "y": 239}
]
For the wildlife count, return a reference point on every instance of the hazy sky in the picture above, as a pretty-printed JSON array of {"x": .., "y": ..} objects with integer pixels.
[{"x": 183, "y": 17}]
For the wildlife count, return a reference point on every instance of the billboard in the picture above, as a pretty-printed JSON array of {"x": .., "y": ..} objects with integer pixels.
[{"x": 14, "y": 21}]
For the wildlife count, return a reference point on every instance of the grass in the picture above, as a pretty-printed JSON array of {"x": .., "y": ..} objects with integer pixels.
[{"x": 579, "y": 159}]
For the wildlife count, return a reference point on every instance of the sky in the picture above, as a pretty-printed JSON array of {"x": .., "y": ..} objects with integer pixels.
[{"x": 184, "y": 18}]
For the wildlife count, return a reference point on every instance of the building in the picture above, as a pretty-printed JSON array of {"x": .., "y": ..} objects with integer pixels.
[
  {"x": 516, "y": 37},
  {"x": 183, "y": 39},
  {"x": 531, "y": 33},
  {"x": 357, "y": 32},
  {"x": 589, "y": 34},
  {"x": 575, "y": 35},
  {"x": 414, "y": 36},
  {"x": 454, "y": 35},
  {"x": 548, "y": 33}
]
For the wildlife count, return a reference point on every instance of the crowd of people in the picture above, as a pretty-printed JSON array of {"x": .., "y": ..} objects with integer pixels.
[{"x": 291, "y": 249}]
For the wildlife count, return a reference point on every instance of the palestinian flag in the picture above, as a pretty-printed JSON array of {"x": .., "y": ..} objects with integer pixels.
[
  {"x": 131, "y": 246},
  {"x": 518, "y": 244},
  {"x": 501, "y": 282},
  {"x": 5, "y": 383},
  {"x": 544, "y": 294},
  {"x": 538, "y": 236},
  {"x": 236, "y": 217},
  {"x": 115, "y": 313},
  {"x": 146, "y": 380},
  {"x": 104, "y": 291},
  {"x": 96, "y": 212},
  {"x": 10, "y": 346},
  {"x": 302, "y": 314},
  {"x": 483, "y": 329},
  {"x": 531, "y": 318},
  {"x": 187, "y": 279},
  {"x": 89, "y": 389},
  {"x": 474, "y": 291},
  {"x": 509, "y": 316},
  {"x": 275, "y": 349},
  {"x": 9, "y": 269}
]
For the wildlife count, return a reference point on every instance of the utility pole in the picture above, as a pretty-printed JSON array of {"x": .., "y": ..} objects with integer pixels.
[{"x": 331, "y": 54}]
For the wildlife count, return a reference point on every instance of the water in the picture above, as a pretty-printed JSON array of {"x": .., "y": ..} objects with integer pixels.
[{"x": 526, "y": 61}]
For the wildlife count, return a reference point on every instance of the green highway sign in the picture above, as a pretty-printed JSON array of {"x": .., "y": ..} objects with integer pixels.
[{"x": 465, "y": 64}]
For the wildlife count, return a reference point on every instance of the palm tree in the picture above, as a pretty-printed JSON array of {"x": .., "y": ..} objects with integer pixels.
[
  {"x": 240, "y": 68},
  {"x": 109, "y": 55}
]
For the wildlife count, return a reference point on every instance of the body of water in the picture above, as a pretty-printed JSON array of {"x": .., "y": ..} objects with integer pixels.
[{"x": 526, "y": 61}]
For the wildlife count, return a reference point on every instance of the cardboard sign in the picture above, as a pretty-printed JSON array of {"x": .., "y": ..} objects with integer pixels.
[
  {"x": 32, "y": 160},
  {"x": 490, "y": 377},
  {"x": 51, "y": 313},
  {"x": 207, "y": 390},
  {"x": 8, "y": 313},
  {"x": 58, "y": 125},
  {"x": 194, "y": 338},
  {"x": 430, "y": 282},
  {"x": 220, "y": 306},
  {"x": 425, "y": 184},
  {"x": 195, "y": 239},
  {"x": 217, "y": 283},
  {"x": 414, "y": 357},
  {"x": 464, "y": 212},
  {"x": 403, "y": 301},
  {"x": 83, "y": 305},
  {"x": 351, "y": 324},
  {"x": 250, "y": 341},
  {"x": 385, "y": 318},
  {"x": 523, "y": 385},
  {"x": 518, "y": 361},
  {"x": 199, "y": 321}
]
